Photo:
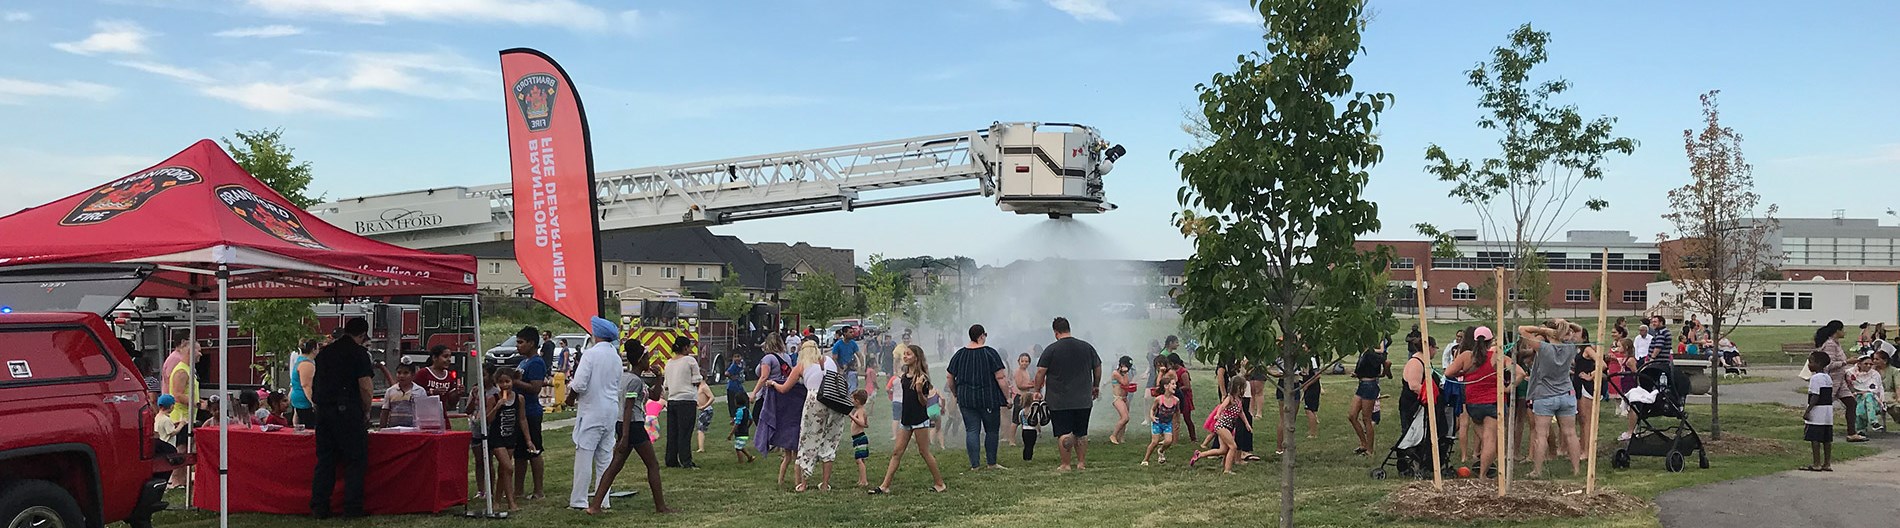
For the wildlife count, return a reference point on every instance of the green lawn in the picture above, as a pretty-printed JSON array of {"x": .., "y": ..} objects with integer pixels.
[
  {"x": 1759, "y": 344},
  {"x": 1115, "y": 491}
]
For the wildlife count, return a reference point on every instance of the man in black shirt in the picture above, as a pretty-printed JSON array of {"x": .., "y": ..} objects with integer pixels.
[
  {"x": 1070, "y": 376},
  {"x": 341, "y": 398}
]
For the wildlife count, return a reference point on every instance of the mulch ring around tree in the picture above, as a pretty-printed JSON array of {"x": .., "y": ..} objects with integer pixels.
[{"x": 1478, "y": 500}]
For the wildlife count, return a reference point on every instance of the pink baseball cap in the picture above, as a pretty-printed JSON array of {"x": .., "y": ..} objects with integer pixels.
[{"x": 1482, "y": 333}]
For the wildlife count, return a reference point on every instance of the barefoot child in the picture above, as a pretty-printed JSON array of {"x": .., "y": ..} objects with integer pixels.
[
  {"x": 632, "y": 437},
  {"x": 1161, "y": 422},
  {"x": 1820, "y": 414},
  {"x": 741, "y": 433},
  {"x": 704, "y": 419},
  {"x": 860, "y": 443},
  {"x": 1231, "y": 418}
]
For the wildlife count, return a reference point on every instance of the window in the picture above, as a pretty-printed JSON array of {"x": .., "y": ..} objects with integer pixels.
[
  {"x": 636, "y": 271},
  {"x": 1788, "y": 301},
  {"x": 1576, "y": 295},
  {"x": 668, "y": 272},
  {"x": 615, "y": 269},
  {"x": 1862, "y": 302},
  {"x": 702, "y": 272},
  {"x": 1636, "y": 296},
  {"x": 1405, "y": 263},
  {"x": 53, "y": 355},
  {"x": 1515, "y": 295},
  {"x": 1463, "y": 292}
]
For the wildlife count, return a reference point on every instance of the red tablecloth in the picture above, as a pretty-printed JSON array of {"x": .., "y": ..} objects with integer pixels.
[{"x": 270, "y": 472}]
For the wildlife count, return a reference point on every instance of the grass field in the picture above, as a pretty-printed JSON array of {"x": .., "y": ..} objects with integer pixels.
[
  {"x": 1759, "y": 344},
  {"x": 1334, "y": 489}
]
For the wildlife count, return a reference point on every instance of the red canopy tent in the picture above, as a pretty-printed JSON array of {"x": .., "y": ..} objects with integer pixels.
[{"x": 217, "y": 233}]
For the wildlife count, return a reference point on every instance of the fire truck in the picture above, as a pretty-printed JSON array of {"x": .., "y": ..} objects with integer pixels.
[
  {"x": 658, "y": 323},
  {"x": 403, "y": 329}
]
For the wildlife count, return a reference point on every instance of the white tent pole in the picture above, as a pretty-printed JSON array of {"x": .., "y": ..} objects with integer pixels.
[
  {"x": 191, "y": 339},
  {"x": 481, "y": 407},
  {"x": 224, "y": 388}
]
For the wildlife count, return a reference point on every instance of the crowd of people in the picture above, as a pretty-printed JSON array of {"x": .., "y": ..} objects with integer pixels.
[{"x": 811, "y": 399}]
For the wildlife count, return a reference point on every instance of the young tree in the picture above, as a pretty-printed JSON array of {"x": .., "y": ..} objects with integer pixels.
[
  {"x": 729, "y": 297},
  {"x": 1724, "y": 257},
  {"x": 1277, "y": 187},
  {"x": 819, "y": 299},
  {"x": 881, "y": 288},
  {"x": 1547, "y": 151},
  {"x": 276, "y": 325}
]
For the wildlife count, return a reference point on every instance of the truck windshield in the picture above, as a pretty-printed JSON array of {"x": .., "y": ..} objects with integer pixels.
[{"x": 68, "y": 288}]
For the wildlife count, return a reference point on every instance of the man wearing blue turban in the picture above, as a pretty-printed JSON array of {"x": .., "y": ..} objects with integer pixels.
[{"x": 596, "y": 390}]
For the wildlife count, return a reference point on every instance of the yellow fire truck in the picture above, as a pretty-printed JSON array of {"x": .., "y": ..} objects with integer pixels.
[{"x": 659, "y": 323}]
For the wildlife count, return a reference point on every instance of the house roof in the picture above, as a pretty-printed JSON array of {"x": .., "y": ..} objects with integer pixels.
[
  {"x": 681, "y": 245},
  {"x": 841, "y": 263}
]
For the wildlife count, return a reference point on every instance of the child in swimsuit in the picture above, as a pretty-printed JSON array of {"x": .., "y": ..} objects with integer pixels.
[{"x": 1161, "y": 420}]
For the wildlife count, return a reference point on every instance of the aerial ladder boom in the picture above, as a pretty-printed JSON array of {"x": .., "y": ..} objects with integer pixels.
[{"x": 1029, "y": 168}]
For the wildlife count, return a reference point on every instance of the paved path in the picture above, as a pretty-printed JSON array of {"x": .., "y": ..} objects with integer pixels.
[
  {"x": 1857, "y": 493},
  {"x": 1784, "y": 390}
]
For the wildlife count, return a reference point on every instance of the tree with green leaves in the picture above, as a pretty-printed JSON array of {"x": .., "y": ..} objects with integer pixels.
[
  {"x": 729, "y": 297},
  {"x": 1531, "y": 191},
  {"x": 1273, "y": 202},
  {"x": 936, "y": 308},
  {"x": 819, "y": 299},
  {"x": 1725, "y": 257},
  {"x": 277, "y": 326},
  {"x": 883, "y": 288}
]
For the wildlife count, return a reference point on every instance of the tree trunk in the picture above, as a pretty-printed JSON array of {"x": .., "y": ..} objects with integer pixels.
[
  {"x": 1288, "y": 389},
  {"x": 1715, "y": 380}
]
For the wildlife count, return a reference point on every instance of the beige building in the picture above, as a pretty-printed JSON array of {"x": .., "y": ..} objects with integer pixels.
[
  {"x": 687, "y": 262},
  {"x": 798, "y": 260}
]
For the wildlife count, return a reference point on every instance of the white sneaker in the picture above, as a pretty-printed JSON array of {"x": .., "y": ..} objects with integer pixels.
[{"x": 1625, "y": 437}]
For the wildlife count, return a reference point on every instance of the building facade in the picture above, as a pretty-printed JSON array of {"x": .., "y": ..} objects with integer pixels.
[
  {"x": 795, "y": 261},
  {"x": 1804, "y": 303},
  {"x": 1837, "y": 249},
  {"x": 684, "y": 262},
  {"x": 1574, "y": 263}
]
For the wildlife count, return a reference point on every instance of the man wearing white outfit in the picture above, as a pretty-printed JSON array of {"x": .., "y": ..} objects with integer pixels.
[{"x": 596, "y": 391}]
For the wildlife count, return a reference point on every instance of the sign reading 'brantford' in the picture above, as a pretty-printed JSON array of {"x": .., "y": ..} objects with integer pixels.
[{"x": 398, "y": 219}]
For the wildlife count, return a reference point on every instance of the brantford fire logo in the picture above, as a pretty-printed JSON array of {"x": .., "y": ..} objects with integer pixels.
[
  {"x": 534, "y": 92},
  {"x": 266, "y": 216},
  {"x": 127, "y": 194}
]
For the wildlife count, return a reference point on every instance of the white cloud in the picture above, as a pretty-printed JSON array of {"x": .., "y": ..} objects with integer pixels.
[
  {"x": 175, "y": 72},
  {"x": 441, "y": 75},
  {"x": 286, "y": 98},
  {"x": 113, "y": 36},
  {"x": 1086, "y": 10},
  {"x": 557, "y": 13},
  {"x": 270, "y": 31},
  {"x": 18, "y": 91},
  {"x": 17, "y": 16},
  {"x": 1223, "y": 13}
]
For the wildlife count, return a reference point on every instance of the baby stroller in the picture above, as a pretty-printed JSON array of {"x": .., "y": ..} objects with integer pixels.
[
  {"x": 1411, "y": 455},
  {"x": 1658, "y": 397}
]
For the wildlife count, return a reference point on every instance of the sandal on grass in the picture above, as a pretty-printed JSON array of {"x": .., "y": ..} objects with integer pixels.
[{"x": 877, "y": 491}]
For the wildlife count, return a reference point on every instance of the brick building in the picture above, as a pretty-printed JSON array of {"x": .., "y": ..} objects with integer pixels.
[{"x": 1575, "y": 263}]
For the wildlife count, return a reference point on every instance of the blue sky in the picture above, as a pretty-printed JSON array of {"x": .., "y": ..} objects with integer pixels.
[{"x": 397, "y": 95}]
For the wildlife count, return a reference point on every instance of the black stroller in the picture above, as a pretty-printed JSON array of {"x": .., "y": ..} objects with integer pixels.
[
  {"x": 1673, "y": 441},
  {"x": 1412, "y": 453}
]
